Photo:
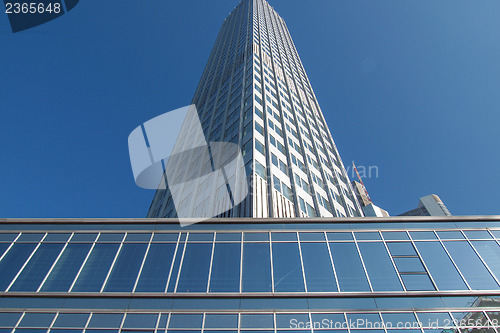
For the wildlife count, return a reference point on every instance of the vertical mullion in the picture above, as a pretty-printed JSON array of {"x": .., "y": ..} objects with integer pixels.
[
  {"x": 55, "y": 262},
  {"x": 113, "y": 263},
  {"x": 331, "y": 260},
  {"x": 211, "y": 263},
  {"x": 173, "y": 261},
  {"x": 84, "y": 262},
  {"x": 25, "y": 263},
  {"x": 301, "y": 262},
  {"x": 181, "y": 262},
  {"x": 271, "y": 256},
  {"x": 362, "y": 261},
  {"x": 241, "y": 262},
  {"x": 143, "y": 262}
]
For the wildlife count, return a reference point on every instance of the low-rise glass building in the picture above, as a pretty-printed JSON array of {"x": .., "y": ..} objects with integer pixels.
[{"x": 358, "y": 275}]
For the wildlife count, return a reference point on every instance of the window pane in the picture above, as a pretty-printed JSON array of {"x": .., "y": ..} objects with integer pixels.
[
  {"x": 126, "y": 268},
  {"x": 257, "y": 321},
  {"x": 287, "y": 268},
  {"x": 364, "y": 320},
  {"x": 96, "y": 268},
  {"x": 37, "y": 319},
  {"x": 195, "y": 266},
  {"x": 13, "y": 261},
  {"x": 401, "y": 249},
  {"x": 367, "y": 235},
  {"x": 471, "y": 266},
  {"x": 404, "y": 319},
  {"x": 422, "y": 235},
  {"x": 434, "y": 319},
  {"x": 178, "y": 320},
  {"x": 348, "y": 266},
  {"x": 490, "y": 252},
  {"x": 283, "y": 236},
  {"x": 140, "y": 320},
  {"x": 292, "y": 320},
  {"x": 221, "y": 321},
  {"x": 318, "y": 267},
  {"x": 381, "y": 272},
  {"x": 71, "y": 320},
  {"x": 332, "y": 320},
  {"x": 409, "y": 265},
  {"x": 106, "y": 320},
  {"x": 64, "y": 272},
  {"x": 9, "y": 319},
  {"x": 440, "y": 266},
  {"x": 395, "y": 235},
  {"x": 256, "y": 267},
  {"x": 36, "y": 269},
  {"x": 339, "y": 236},
  {"x": 416, "y": 282},
  {"x": 225, "y": 275},
  {"x": 154, "y": 274},
  {"x": 477, "y": 234}
]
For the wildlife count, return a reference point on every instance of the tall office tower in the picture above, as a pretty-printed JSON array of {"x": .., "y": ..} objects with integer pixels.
[
  {"x": 430, "y": 205},
  {"x": 254, "y": 92}
]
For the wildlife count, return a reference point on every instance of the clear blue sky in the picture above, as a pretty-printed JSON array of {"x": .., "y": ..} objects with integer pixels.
[{"x": 412, "y": 87}]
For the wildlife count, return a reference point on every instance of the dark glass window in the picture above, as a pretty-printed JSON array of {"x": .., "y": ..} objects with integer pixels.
[
  {"x": 256, "y": 267},
  {"x": 409, "y": 264},
  {"x": 195, "y": 267},
  {"x": 96, "y": 268},
  {"x": 36, "y": 319},
  {"x": 381, "y": 272},
  {"x": 401, "y": 249},
  {"x": 470, "y": 265},
  {"x": 318, "y": 267},
  {"x": 71, "y": 320},
  {"x": 64, "y": 272},
  {"x": 287, "y": 268},
  {"x": 140, "y": 320},
  {"x": 225, "y": 275},
  {"x": 106, "y": 320},
  {"x": 126, "y": 268},
  {"x": 13, "y": 261},
  {"x": 440, "y": 266},
  {"x": 37, "y": 268},
  {"x": 154, "y": 274},
  {"x": 257, "y": 321},
  {"x": 180, "y": 320},
  {"x": 417, "y": 282},
  {"x": 349, "y": 268}
]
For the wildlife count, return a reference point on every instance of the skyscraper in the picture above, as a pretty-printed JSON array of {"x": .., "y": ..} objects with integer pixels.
[{"x": 254, "y": 92}]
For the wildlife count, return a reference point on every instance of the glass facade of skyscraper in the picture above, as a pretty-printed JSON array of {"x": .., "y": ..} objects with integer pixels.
[
  {"x": 365, "y": 275},
  {"x": 254, "y": 92}
]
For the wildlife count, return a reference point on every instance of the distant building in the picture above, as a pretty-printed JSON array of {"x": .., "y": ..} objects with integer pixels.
[
  {"x": 430, "y": 205},
  {"x": 369, "y": 209}
]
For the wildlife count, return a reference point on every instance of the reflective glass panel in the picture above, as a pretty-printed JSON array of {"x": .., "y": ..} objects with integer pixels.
[
  {"x": 332, "y": 236},
  {"x": 37, "y": 268},
  {"x": 257, "y": 321},
  {"x": 434, "y": 319},
  {"x": 417, "y": 282},
  {"x": 440, "y": 266},
  {"x": 292, "y": 320},
  {"x": 64, "y": 272},
  {"x": 195, "y": 267},
  {"x": 349, "y": 268},
  {"x": 9, "y": 319},
  {"x": 140, "y": 320},
  {"x": 175, "y": 268},
  {"x": 401, "y": 248},
  {"x": 154, "y": 274},
  {"x": 367, "y": 235},
  {"x": 126, "y": 268},
  {"x": 256, "y": 267},
  {"x": 329, "y": 320},
  {"x": 471, "y": 266},
  {"x": 13, "y": 261},
  {"x": 318, "y": 267},
  {"x": 422, "y": 235},
  {"x": 37, "y": 319},
  {"x": 225, "y": 275},
  {"x": 96, "y": 268},
  {"x": 395, "y": 235},
  {"x": 287, "y": 268},
  {"x": 181, "y": 320},
  {"x": 71, "y": 320},
  {"x": 381, "y": 272},
  {"x": 490, "y": 252},
  {"x": 477, "y": 234},
  {"x": 106, "y": 320},
  {"x": 221, "y": 321},
  {"x": 408, "y": 265}
]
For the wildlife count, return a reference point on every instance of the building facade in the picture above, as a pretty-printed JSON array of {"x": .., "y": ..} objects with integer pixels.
[
  {"x": 357, "y": 275},
  {"x": 254, "y": 92}
]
